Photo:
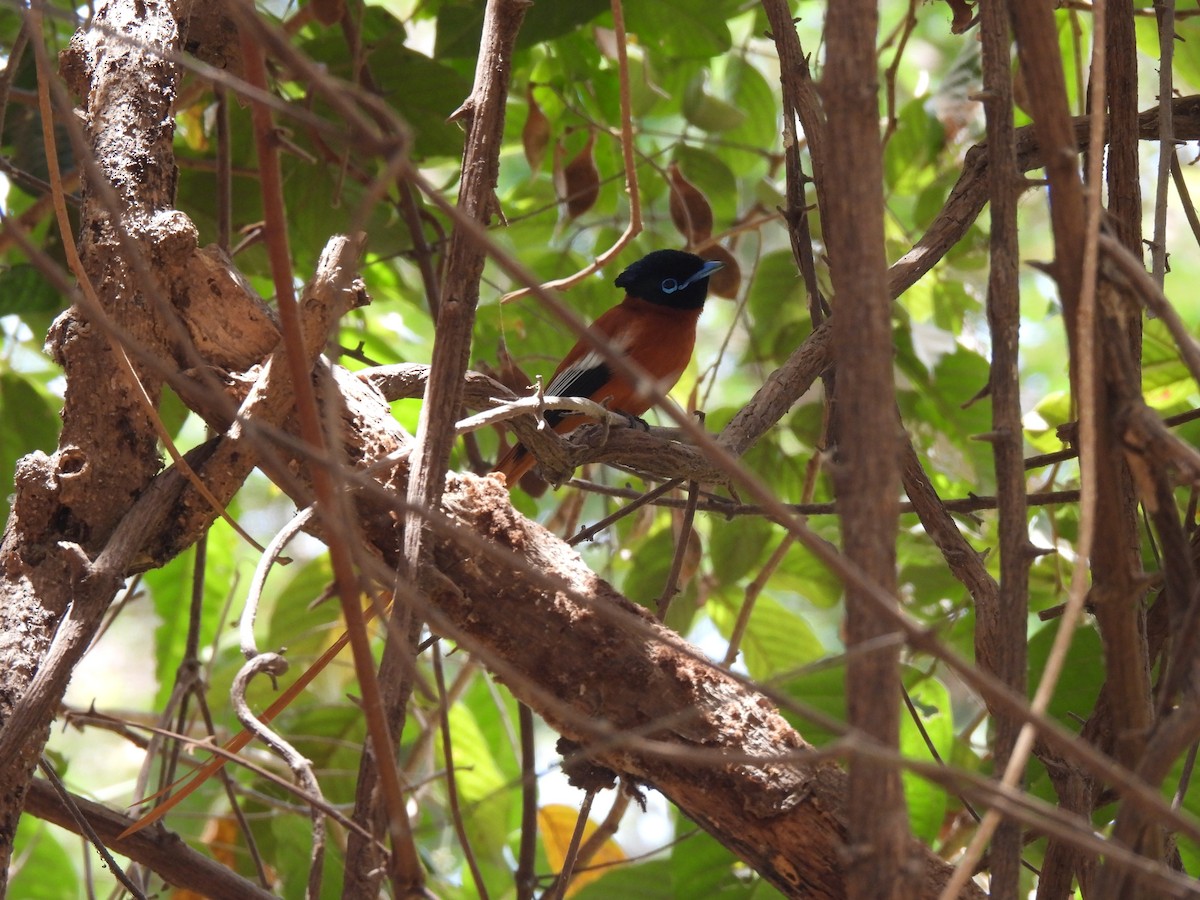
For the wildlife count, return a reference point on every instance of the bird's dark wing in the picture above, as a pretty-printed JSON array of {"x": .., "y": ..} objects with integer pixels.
[{"x": 585, "y": 377}]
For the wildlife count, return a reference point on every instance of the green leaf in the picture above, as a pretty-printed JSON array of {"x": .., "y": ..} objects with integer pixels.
[
  {"x": 1041, "y": 428},
  {"x": 290, "y": 848},
  {"x": 170, "y": 590},
  {"x": 23, "y": 139},
  {"x": 821, "y": 689},
  {"x": 1074, "y": 39},
  {"x": 644, "y": 91},
  {"x": 482, "y": 787},
  {"x": 442, "y": 90},
  {"x": 708, "y": 112},
  {"x": 23, "y": 289},
  {"x": 331, "y": 737},
  {"x": 286, "y": 617},
  {"x": 702, "y": 867},
  {"x": 927, "y": 801},
  {"x": 1082, "y": 676},
  {"x": 805, "y": 575},
  {"x": 1165, "y": 378},
  {"x": 949, "y": 421},
  {"x": 712, "y": 175},
  {"x": 28, "y": 421},
  {"x": 1185, "y": 52},
  {"x": 918, "y": 139},
  {"x": 460, "y": 25},
  {"x": 172, "y": 411},
  {"x": 1189, "y": 853},
  {"x": 680, "y": 29},
  {"x": 777, "y": 294},
  {"x": 495, "y": 714},
  {"x": 786, "y": 468},
  {"x": 736, "y": 547},
  {"x": 760, "y": 129},
  {"x": 649, "y": 568},
  {"x": 646, "y": 881},
  {"x": 423, "y": 91},
  {"x": 42, "y": 869},
  {"x": 776, "y": 639}
]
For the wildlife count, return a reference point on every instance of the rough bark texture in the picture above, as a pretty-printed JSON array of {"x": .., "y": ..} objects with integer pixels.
[
  {"x": 1001, "y": 618},
  {"x": 602, "y": 671},
  {"x": 597, "y": 667},
  {"x": 483, "y": 115},
  {"x": 107, "y": 452},
  {"x": 159, "y": 851},
  {"x": 867, "y": 473},
  {"x": 1112, "y": 388}
]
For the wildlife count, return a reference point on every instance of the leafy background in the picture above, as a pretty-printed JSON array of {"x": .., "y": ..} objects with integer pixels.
[{"x": 706, "y": 99}]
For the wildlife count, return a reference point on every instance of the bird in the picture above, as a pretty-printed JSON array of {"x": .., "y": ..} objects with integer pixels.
[{"x": 654, "y": 326}]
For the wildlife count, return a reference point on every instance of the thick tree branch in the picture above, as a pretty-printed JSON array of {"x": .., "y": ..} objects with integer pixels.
[
  {"x": 162, "y": 852},
  {"x": 561, "y": 655},
  {"x": 107, "y": 453},
  {"x": 606, "y": 674},
  {"x": 867, "y": 437}
]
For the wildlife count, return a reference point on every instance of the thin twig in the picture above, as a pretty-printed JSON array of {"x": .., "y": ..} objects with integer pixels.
[
  {"x": 85, "y": 829},
  {"x": 406, "y": 866},
  {"x": 1155, "y": 300},
  {"x": 451, "y": 534},
  {"x": 223, "y": 754},
  {"x": 906, "y": 29},
  {"x": 525, "y": 876},
  {"x": 641, "y": 499},
  {"x": 452, "y": 800},
  {"x": 1185, "y": 777},
  {"x": 258, "y": 582},
  {"x": 1164, "y": 11},
  {"x": 1085, "y": 370},
  {"x": 568, "y": 868},
  {"x": 227, "y": 782},
  {"x": 682, "y": 543},
  {"x": 538, "y": 404},
  {"x": 273, "y": 664},
  {"x": 1185, "y": 197},
  {"x": 752, "y": 592}
]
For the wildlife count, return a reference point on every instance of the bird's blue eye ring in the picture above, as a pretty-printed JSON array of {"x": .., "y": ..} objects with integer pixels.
[{"x": 670, "y": 286}]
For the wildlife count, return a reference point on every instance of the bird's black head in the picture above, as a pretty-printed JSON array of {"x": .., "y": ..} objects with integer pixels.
[{"x": 669, "y": 278}]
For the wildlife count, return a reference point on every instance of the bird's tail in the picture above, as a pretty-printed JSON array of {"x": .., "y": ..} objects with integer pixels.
[{"x": 514, "y": 464}]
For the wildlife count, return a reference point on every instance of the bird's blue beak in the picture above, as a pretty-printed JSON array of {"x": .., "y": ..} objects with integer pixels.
[{"x": 705, "y": 270}]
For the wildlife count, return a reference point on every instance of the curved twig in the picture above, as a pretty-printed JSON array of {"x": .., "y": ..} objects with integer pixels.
[{"x": 273, "y": 664}]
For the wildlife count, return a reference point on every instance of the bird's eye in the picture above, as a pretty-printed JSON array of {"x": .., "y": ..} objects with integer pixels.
[{"x": 670, "y": 286}]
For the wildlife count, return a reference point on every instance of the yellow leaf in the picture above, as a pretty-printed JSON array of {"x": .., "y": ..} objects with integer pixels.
[{"x": 557, "y": 824}]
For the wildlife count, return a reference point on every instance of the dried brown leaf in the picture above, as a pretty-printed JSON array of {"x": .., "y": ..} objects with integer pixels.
[
  {"x": 964, "y": 16},
  {"x": 727, "y": 281},
  {"x": 579, "y": 181},
  {"x": 328, "y": 12},
  {"x": 535, "y": 136},
  {"x": 690, "y": 210}
]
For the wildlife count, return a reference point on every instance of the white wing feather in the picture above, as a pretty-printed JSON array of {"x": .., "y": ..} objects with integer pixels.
[{"x": 561, "y": 384}]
